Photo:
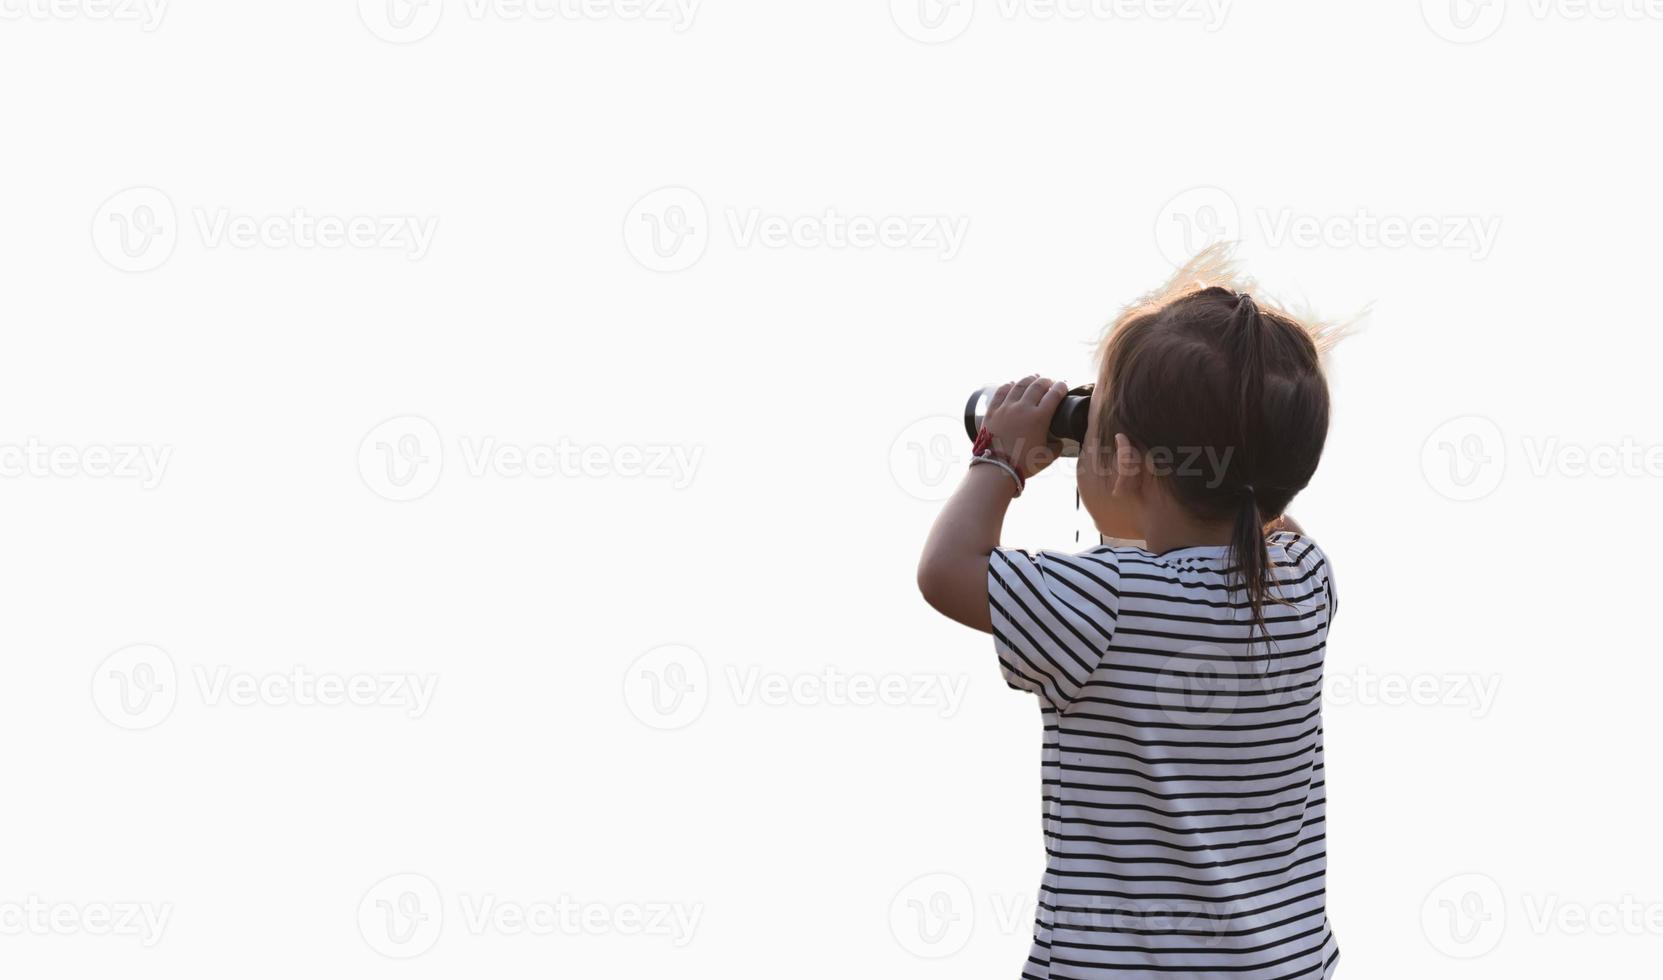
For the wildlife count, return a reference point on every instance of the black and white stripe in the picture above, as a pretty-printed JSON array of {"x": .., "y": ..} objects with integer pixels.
[{"x": 1183, "y": 783}]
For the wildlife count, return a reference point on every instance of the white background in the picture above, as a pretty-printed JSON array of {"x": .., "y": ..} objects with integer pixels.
[{"x": 810, "y": 388}]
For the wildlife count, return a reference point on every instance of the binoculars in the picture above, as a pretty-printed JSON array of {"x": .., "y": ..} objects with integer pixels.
[{"x": 1068, "y": 425}]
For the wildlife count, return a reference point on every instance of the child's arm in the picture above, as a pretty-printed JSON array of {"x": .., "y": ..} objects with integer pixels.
[{"x": 952, "y": 574}]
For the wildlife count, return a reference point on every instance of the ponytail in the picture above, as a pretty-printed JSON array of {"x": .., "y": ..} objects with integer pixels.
[
  {"x": 1247, "y": 539},
  {"x": 1247, "y": 547}
]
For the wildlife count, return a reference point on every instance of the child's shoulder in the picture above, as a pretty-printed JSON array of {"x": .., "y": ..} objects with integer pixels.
[
  {"x": 1297, "y": 547},
  {"x": 1287, "y": 548},
  {"x": 1306, "y": 559}
]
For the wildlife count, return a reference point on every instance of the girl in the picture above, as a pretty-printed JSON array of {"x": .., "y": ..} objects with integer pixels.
[{"x": 1180, "y": 681}]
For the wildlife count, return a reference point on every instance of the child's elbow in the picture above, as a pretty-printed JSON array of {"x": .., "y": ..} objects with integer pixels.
[
  {"x": 955, "y": 590},
  {"x": 926, "y": 581},
  {"x": 932, "y": 583},
  {"x": 938, "y": 583}
]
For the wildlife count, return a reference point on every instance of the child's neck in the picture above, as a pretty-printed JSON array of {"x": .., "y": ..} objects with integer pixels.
[{"x": 1169, "y": 528}]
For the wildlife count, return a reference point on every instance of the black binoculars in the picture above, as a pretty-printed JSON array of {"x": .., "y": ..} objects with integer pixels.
[{"x": 1068, "y": 425}]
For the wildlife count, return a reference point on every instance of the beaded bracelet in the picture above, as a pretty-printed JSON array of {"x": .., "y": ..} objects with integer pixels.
[{"x": 992, "y": 459}]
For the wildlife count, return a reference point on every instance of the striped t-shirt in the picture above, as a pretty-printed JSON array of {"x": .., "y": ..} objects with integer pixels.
[{"x": 1182, "y": 765}]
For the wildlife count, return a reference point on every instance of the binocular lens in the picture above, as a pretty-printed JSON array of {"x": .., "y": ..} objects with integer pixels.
[{"x": 1068, "y": 425}]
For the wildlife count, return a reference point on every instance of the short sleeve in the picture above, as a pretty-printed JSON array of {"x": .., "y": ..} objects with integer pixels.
[
  {"x": 1314, "y": 565},
  {"x": 1053, "y": 617}
]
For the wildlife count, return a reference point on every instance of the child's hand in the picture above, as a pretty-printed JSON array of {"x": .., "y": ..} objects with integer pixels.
[{"x": 1019, "y": 419}]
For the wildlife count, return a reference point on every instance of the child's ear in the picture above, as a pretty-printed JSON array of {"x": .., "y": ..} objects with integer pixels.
[{"x": 1128, "y": 467}]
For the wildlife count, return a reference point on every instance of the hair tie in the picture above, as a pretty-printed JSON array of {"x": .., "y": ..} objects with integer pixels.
[{"x": 1246, "y": 490}]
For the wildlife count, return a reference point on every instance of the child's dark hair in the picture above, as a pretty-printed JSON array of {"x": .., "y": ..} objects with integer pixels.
[{"x": 1228, "y": 400}]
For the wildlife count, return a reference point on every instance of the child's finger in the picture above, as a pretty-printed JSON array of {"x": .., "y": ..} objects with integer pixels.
[
  {"x": 999, "y": 397},
  {"x": 1052, "y": 395}
]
